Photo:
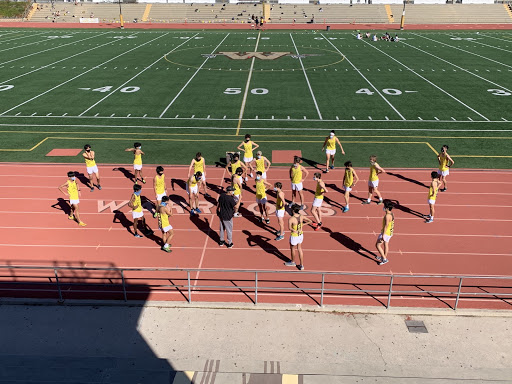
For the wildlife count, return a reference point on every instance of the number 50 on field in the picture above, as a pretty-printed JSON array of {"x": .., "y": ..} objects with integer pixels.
[{"x": 254, "y": 91}]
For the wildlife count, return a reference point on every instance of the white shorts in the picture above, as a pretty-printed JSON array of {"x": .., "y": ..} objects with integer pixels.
[
  {"x": 432, "y": 202},
  {"x": 264, "y": 175},
  {"x": 443, "y": 173},
  {"x": 317, "y": 202},
  {"x": 137, "y": 167},
  {"x": 280, "y": 212},
  {"x": 297, "y": 187},
  {"x": 166, "y": 229},
  {"x": 331, "y": 152},
  {"x": 295, "y": 240},
  {"x": 192, "y": 190},
  {"x": 386, "y": 238},
  {"x": 262, "y": 201},
  {"x": 248, "y": 159},
  {"x": 160, "y": 195},
  {"x": 347, "y": 189},
  {"x": 373, "y": 184},
  {"x": 237, "y": 197},
  {"x": 137, "y": 215},
  {"x": 91, "y": 170},
  {"x": 74, "y": 201}
]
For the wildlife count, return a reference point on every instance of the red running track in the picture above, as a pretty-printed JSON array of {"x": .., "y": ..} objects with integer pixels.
[{"x": 471, "y": 235}]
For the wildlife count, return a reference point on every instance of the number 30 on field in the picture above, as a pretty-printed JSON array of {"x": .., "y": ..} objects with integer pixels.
[
  {"x": 254, "y": 91},
  {"x": 499, "y": 92}
]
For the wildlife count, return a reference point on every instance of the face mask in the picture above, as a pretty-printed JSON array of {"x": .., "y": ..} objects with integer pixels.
[
  {"x": 331, "y": 135},
  {"x": 137, "y": 193},
  {"x": 296, "y": 165},
  {"x": 258, "y": 178},
  {"x": 139, "y": 147},
  {"x": 258, "y": 156},
  {"x": 314, "y": 178},
  {"x": 372, "y": 162},
  {"x": 88, "y": 150},
  {"x": 275, "y": 189},
  {"x": 160, "y": 173},
  {"x": 384, "y": 209},
  {"x": 163, "y": 204},
  {"x": 197, "y": 178},
  {"x": 73, "y": 178}
]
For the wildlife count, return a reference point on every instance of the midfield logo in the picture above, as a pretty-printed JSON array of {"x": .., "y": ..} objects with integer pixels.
[{"x": 256, "y": 55}]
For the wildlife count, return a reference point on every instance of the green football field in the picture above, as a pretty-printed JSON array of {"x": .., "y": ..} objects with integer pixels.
[{"x": 179, "y": 92}]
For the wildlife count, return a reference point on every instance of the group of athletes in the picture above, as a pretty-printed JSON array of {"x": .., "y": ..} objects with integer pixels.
[{"x": 257, "y": 167}]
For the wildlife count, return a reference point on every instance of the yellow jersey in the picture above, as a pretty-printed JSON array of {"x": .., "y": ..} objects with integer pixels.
[
  {"x": 260, "y": 165},
  {"x": 279, "y": 204},
  {"x": 349, "y": 178},
  {"x": 261, "y": 191},
  {"x": 236, "y": 186},
  {"x": 389, "y": 230},
  {"x": 248, "y": 150},
  {"x": 331, "y": 143},
  {"x": 319, "y": 194},
  {"x": 432, "y": 192},
  {"x": 192, "y": 182},
  {"x": 199, "y": 165},
  {"x": 373, "y": 173},
  {"x": 137, "y": 202},
  {"x": 137, "y": 159},
  {"x": 72, "y": 190},
  {"x": 89, "y": 163},
  {"x": 160, "y": 184},
  {"x": 298, "y": 229},
  {"x": 296, "y": 175},
  {"x": 163, "y": 220},
  {"x": 234, "y": 166},
  {"x": 443, "y": 162}
]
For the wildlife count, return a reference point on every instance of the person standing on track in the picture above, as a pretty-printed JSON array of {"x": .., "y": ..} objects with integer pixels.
[
  {"x": 234, "y": 164},
  {"x": 330, "y": 149},
  {"x": 445, "y": 162},
  {"x": 164, "y": 212},
  {"x": 92, "y": 169},
  {"x": 262, "y": 164},
  {"x": 432, "y": 195},
  {"x": 319, "y": 198},
  {"x": 248, "y": 146},
  {"x": 137, "y": 161},
  {"x": 261, "y": 197},
  {"x": 236, "y": 183},
  {"x": 296, "y": 224},
  {"x": 192, "y": 190},
  {"x": 349, "y": 183},
  {"x": 159, "y": 187},
  {"x": 373, "y": 180},
  {"x": 226, "y": 207},
  {"x": 137, "y": 214},
  {"x": 280, "y": 201},
  {"x": 386, "y": 233},
  {"x": 198, "y": 164},
  {"x": 296, "y": 172},
  {"x": 73, "y": 192}
]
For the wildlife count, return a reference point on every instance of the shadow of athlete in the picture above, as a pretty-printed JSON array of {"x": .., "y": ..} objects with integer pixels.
[
  {"x": 408, "y": 210},
  {"x": 264, "y": 243},
  {"x": 349, "y": 243},
  {"x": 126, "y": 173},
  {"x": 402, "y": 177}
]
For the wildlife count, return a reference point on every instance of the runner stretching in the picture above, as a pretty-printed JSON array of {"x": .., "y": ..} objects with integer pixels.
[
  {"x": 280, "y": 201},
  {"x": 319, "y": 199},
  {"x": 330, "y": 149},
  {"x": 296, "y": 224},
  {"x": 445, "y": 162},
  {"x": 373, "y": 181},
  {"x": 73, "y": 192},
  {"x": 92, "y": 169},
  {"x": 386, "y": 233},
  {"x": 164, "y": 212},
  {"x": 349, "y": 183},
  {"x": 137, "y": 161}
]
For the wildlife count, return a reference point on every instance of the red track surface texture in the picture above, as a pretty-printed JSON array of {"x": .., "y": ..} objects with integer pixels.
[{"x": 471, "y": 235}]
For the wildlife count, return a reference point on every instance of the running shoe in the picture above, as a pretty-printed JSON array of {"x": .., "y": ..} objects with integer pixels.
[
  {"x": 383, "y": 261},
  {"x": 303, "y": 207},
  {"x": 345, "y": 209},
  {"x": 380, "y": 202},
  {"x": 280, "y": 237},
  {"x": 155, "y": 215},
  {"x": 260, "y": 219},
  {"x": 198, "y": 210},
  {"x": 326, "y": 170},
  {"x": 430, "y": 220},
  {"x": 99, "y": 187},
  {"x": 168, "y": 249},
  {"x": 71, "y": 217},
  {"x": 230, "y": 245},
  {"x": 443, "y": 189},
  {"x": 251, "y": 175},
  {"x": 137, "y": 236},
  {"x": 92, "y": 189},
  {"x": 247, "y": 179},
  {"x": 221, "y": 243},
  {"x": 331, "y": 167},
  {"x": 290, "y": 264},
  {"x": 136, "y": 182},
  {"x": 192, "y": 212},
  {"x": 365, "y": 202},
  {"x": 301, "y": 267},
  {"x": 143, "y": 181},
  {"x": 237, "y": 214},
  {"x": 82, "y": 224},
  {"x": 317, "y": 228},
  {"x": 267, "y": 221}
]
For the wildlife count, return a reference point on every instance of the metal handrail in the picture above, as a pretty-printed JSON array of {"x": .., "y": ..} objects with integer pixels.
[{"x": 257, "y": 287}]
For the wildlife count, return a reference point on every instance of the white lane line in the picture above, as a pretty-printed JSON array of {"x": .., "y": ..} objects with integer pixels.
[
  {"x": 364, "y": 77},
  {"x": 23, "y": 37},
  {"x": 195, "y": 73},
  {"x": 456, "y": 66},
  {"x": 20, "y": 46},
  {"x": 138, "y": 74},
  {"x": 49, "y": 49},
  {"x": 463, "y": 50},
  {"x": 488, "y": 45},
  {"x": 307, "y": 79},
  {"x": 246, "y": 91},
  {"x": 425, "y": 79},
  {"x": 81, "y": 74}
]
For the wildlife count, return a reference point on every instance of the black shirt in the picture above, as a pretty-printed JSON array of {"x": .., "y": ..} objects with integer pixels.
[{"x": 226, "y": 207}]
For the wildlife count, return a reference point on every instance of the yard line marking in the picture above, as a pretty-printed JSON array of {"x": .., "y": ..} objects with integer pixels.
[
  {"x": 49, "y": 49},
  {"x": 428, "y": 81},
  {"x": 456, "y": 66},
  {"x": 246, "y": 91},
  {"x": 307, "y": 80},
  {"x": 141, "y": 72},
  {"x": 20, "y": 46},
  {"x": 488, "y": 45},
  {"x": 364, "y": 77},
  {"x": 79, "y": 75},
  {"x": 463, "y": 50},
  {"x": 23, "y": 37},
  {"x": 195, "y": 73}
]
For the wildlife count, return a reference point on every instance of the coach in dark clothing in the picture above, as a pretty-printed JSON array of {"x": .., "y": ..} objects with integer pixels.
[{"x": 225, "y": 209}]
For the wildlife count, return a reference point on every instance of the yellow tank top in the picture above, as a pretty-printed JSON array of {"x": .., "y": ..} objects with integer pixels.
[
  {"x": 72, "y": 190},
  {"x": 192, "y": 182},
  {"x": 260, "y": 164},
  {"x": 137, "y": 202},
  {"x": 160, "y": 184},
  {"x": 390, "y": 229},
  {"x": 236, "y": 186},
  {"x": 373, "y": 173},
  {"x": 163, "y": 220},
  {"x": 443, "y": 162},
  {"x": 432, "y": 193},
  {"x": 279, "y": 204},
  {"x": 234, "y": 166},
  {"x": 298, "y": 230},
  {"x": 331, "y": 143},
  {"x": 349, "y": 177},
  {"x": 248, "y": 150},
  {"x": 89, "y": 163},
  {"x": 138, "y": 159},
  {"x": 199, "y": 165},
  {"x": 296, "y": 175},
  {"x": 261, "y": 192},
  {"x": 318, "y": 193}
]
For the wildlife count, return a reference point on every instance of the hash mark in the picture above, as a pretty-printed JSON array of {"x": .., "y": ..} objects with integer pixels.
[
  {"x": 208, "y": 116},
  {"x": 145, "y": 115},
  {"x": 337, "y": 118},
  {"x": 224, "y": 117},
  {"x": 453, "y": 118},
  {"x": 17, "y": 114},
  {"x": 176, "y": 116},
  {"x": 504, "y": 119},
  {"x": 48, "y": 114},
  {"x": 112, "y": 115},
  {"x": 193, "y": 116},
  {"x": 96, "y": 115},
  {"x": 436, "y": 118},
  {"x": 33, "y": 114},
  {"x": 387, "y": 118},
  {"x": 353, "y": 117},
  {"x": 470, "y": 119}
]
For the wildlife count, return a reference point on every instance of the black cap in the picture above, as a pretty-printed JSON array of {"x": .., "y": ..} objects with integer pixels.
[{"x": 230, "y": 189}]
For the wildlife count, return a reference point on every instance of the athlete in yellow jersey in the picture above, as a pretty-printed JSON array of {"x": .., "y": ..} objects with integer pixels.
[
  {"x": 135, "y": 204},
  {"x": 388, "y": 226},
  {"x": 432, "y": 195},
  {"x": 248, "y": 146},
  {"x": 280, "y": 201},
  {"x": 445, "y": 162},
  {"x": 164, "y": 212},
  {"x": 330, "y": 149},
  {"x": 192, "y": 190},
  {"x": 236, "y": 183},
  {"x": 261, "y": 163},
  {"x": 319, "y": 198},
  {"x": 296, "y": 224},
  {"x": 261, "y": 197},
  {"x": 92, "y": 169},
  {"x": 349, "y": 183},
  {"x": 137, "y": 161},
  {"x": 296, "y": 176},
  {"x": 73, "y": 192},
  {"x": 159, "y": 187},
  {"x": 198, "y": 164},
  {"x": 234, "y": 164},
  {"x": 373, "y": 181}
]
